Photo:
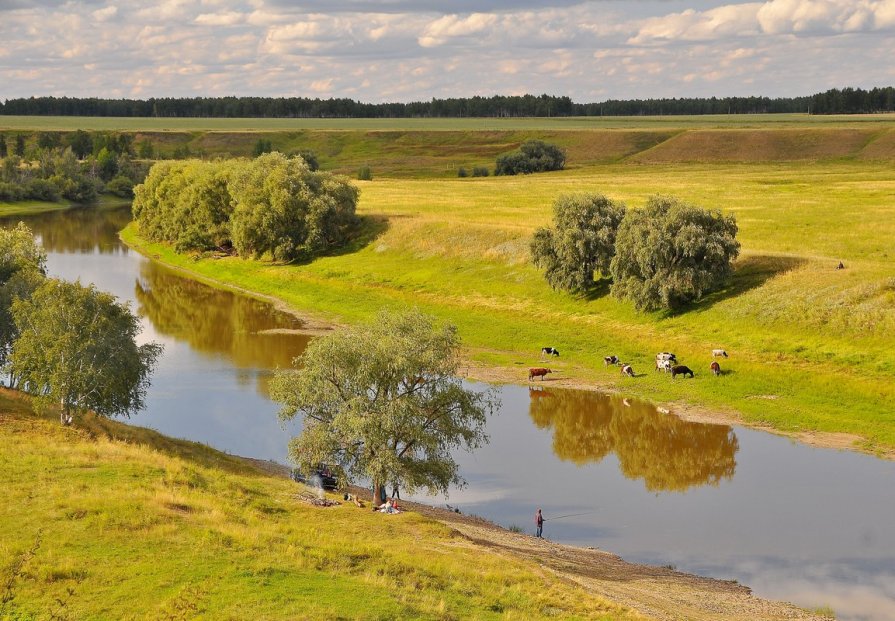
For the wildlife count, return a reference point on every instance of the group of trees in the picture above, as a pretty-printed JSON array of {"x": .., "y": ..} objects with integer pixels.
[
  {"x": 76, "y": 168},
  {"x": 833, "y": 101},
  {"x": 71, "y": 346},
  {"x": 531, "y": 157},
  {"x": 666, "y": 255},
  {"x": 273, "y": 206}
]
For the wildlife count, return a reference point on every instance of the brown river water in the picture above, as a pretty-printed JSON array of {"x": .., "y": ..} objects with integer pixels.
[{"x": 808, "y": 525}]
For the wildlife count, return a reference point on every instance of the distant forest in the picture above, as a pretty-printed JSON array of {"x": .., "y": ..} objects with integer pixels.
[{"x": 834, "y": 101}]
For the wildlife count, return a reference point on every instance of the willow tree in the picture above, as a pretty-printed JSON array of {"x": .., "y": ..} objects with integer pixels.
[
  {"x": 581, "y": 243},
  {"x": 77, "y": 350},
  {"x": 383, "y": 402},
  {"x": 670, "y": 254}
]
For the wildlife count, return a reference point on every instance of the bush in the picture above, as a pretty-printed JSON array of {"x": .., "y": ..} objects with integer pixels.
[
  {"x": 480, "y": 171},
  {"x": 670, "y": 254},
  {"x": 261, "y": 147},
  {"x": 121, "y": 186},
  {"x": 365, "y": 173},
  {"x": 43, "y": 190},
  {"x": 581, "y": 243},
  {"x": 533, "y": 156},
  {"x": 461, "y": 172},
  {"x": 11, "y": 191}
]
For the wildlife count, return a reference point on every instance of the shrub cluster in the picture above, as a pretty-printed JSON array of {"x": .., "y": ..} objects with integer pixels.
[
  {"x": 666, "y": 255},
  {"x": 533, "y": 156},
  {"x": 271, "y": 206},
  {"x": 50, "y": 171}
]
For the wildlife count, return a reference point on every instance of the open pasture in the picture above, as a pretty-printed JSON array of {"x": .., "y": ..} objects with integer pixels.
[{"x": 811, "y": 346}]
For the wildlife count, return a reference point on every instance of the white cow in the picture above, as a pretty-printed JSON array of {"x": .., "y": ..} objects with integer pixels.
[{"x": 719, "y": 352}]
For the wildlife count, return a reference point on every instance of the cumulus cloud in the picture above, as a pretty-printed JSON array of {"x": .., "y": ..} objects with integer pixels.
[{"x": 379, "y": 50}]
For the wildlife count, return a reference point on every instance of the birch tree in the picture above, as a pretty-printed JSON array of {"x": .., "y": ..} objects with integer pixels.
[{"x": 77, "y": 350}]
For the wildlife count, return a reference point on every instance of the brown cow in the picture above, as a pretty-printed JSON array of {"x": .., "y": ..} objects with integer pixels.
[
  {"x": 716, "y": 368},
  {"x": 538, "y": 372}
]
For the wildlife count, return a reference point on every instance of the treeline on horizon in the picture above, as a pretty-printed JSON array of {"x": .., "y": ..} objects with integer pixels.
[{"x": 834, "y": 101}]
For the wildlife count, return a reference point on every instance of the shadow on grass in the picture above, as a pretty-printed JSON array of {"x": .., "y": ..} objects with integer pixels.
[
  {"x": 367, "y": 229},
  {"x": 749, "y": 273},
  {"x": 599, "y": 289}
]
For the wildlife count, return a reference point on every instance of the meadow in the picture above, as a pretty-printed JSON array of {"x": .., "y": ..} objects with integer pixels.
[
  {"x": 108, "y": 521},
  {"x": 811, "y": 346}
]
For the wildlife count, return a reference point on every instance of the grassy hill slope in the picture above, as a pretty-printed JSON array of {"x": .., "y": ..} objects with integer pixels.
[{"x": 107, "y": 521}]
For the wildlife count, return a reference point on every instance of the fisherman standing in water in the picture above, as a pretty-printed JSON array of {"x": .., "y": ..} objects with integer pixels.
[{"x": 539, "y": 522}]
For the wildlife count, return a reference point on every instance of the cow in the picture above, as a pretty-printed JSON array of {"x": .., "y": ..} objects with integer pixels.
[
  {"x": 666, "y": 356},
  {"x": 663, "y": 365},
  {"x": 719, "y": 352},
  {"x": 627, "y": 370},
  {"x": 538, "y": 372},
  {"x": 607, "y": 360},
  {"x": 680, "y": 370},
  {"x": 716, "y": 368},
  {"x": 549, "y": 351}
]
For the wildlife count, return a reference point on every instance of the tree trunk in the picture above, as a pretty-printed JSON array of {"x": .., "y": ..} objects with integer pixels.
[
  {"x": 377, "y": 493},
  {"x": 65, "y": 416}
]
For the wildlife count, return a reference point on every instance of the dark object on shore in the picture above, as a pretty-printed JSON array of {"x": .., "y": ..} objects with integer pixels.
[{"x": 322, "y": 476}]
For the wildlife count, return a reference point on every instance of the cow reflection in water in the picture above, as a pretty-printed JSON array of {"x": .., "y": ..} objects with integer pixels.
[{"x": 669, "y": 454}]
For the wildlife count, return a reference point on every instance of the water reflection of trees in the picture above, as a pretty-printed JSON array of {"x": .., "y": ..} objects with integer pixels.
[
  {"x": 78, "y": 230},
  {"x": 668, "y": 453},
  {"x": 248, "y": 332}
]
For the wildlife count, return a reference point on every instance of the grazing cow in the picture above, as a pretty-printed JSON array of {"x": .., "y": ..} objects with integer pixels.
[
  {"x": 666, "y": 356},
  {"x": 627, "y": 370},
  {"x": 719, "y": 352},
  {"x": 663, "y": 365},
  {"x": 716, "y": 368},
  {"x": 549, "y": 351},
  {"x": 538, "y": 372},
  {"x": 607, "y": 360},
  {"x": 680, "y": 370}
]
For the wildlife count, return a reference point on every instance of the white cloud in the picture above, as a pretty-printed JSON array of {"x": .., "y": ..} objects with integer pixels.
[
  {"x": 449, "y": 27},
  {"x": 588, "y": 51},
  {"x": 105, "y": 14},
  {"x": 228, "y": 18}
]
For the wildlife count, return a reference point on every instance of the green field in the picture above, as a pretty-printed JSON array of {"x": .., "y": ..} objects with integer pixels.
[
  {"x": 109, "y": 521},
  {"x": 812, "y": 347},
  {"x": 71, "y": 123}
]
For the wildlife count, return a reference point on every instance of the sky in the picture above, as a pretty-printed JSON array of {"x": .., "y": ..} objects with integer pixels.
[{"x": 403, "y": 50}]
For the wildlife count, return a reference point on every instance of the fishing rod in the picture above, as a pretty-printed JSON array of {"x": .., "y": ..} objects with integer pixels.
[{"x": 560, "y": 517}]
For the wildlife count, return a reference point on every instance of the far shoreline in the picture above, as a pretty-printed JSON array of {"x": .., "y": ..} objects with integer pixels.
[{"x": 315, "y": 325}]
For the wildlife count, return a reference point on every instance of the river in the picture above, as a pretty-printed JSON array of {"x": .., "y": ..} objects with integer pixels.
[{"x": 807, "y": 525}]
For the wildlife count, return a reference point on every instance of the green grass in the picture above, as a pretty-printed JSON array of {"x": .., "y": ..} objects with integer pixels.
[
  {"x": 812, "y": 347},
  {"x": 71, "y": 123},
  {"x": 108, "y": 521}
]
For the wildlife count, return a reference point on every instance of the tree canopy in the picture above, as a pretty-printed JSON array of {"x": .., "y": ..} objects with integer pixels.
[
  {"x": 77, "y": 349},
  {"x": 272, "y": 206},
  {"x": 670, "y": 254},
  {"x": 383, "y": 402},
  {"x": 22, "y": 270},
  {"x": 531, "y": 157},
  {"x": 581, "y": 243}
]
